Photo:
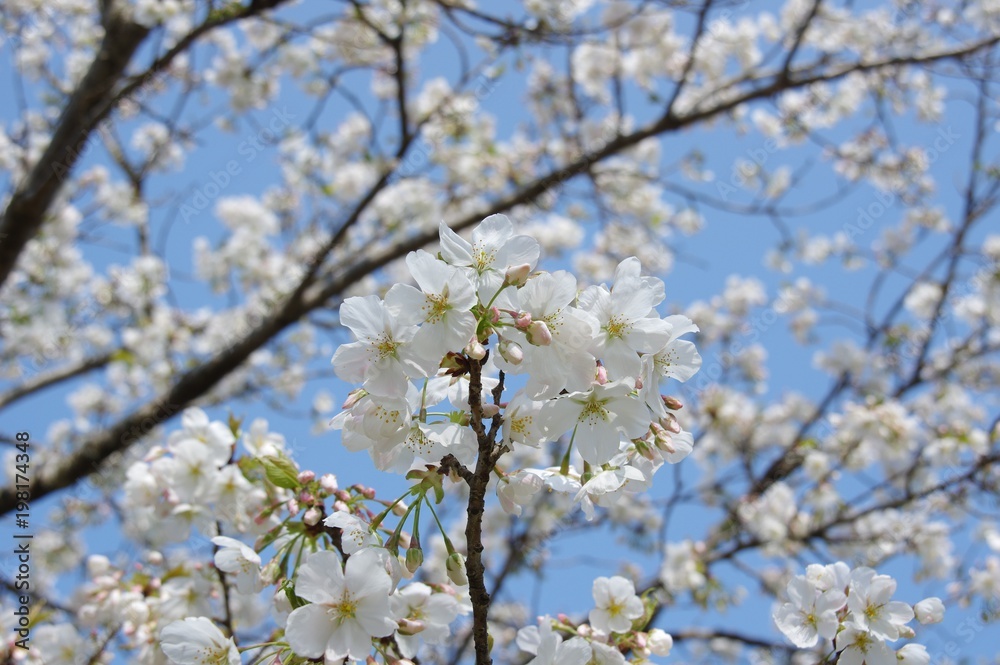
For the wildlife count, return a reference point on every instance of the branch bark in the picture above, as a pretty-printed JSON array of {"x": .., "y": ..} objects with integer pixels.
[
  {"x": 474, "y": 525},
  {"x": 87, "y": 107}
]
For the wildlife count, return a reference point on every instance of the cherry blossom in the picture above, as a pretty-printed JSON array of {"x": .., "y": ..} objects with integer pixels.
[
  {"x": 424, "y": 616},
  {"x": 443, "y": 299},
  {"x": 548, "y": 648},
  {"x": 384, "y": 355},
  {"x": 494, "y": 248},
  {"x": 811, "y": 614},
  {"x": 203, "y": 206},
  {"x": 600, "y": 417},
  {"x": 617, "y": 606},
  {"x": 625, "y": 314},
  {"x": 197, "y": 641},
  {"x": 241, "y": 562},
  {"x": 871, "y": 607},
  {"x": 349, "y": 605},
  {"x": 566, "y": 363}
]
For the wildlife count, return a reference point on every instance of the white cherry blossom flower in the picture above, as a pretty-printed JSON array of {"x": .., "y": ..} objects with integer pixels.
[
  {"x": 548, "y": 647},
  {"x": 524, "y": 421},
  {"x": 215, "y": 435},
  {"x": 192, "y": 471},
  {"x": 832, "y": 576},
  {"x": 494, "y": 248},
  {"x": 426, "y": 443},
  {"x": 349, "y": 605},
  {"x": 860, "y": 647},
  {"x": 871, "y": 607},
  {"x": 607, "y": 486},
  {"x": 432, "y": 614},
  {"x": 617, "y": 605},
  {"x": 443, "y": 300},
  {"x": 913, "y": 654},
  {"x": 659, "y": 642},
  {"x": 929, "y": 610},
  {"x": 810, "y": 614},
  {"x": 384, "y": 356},
  {"x": 241, "y": 562},
  {"x": 59, "y": 644},
  {"x": 566, "y": 363},
  {"x": 601, "y": 417},
  {"x": 517, "y": 489},
  {"x": 356, "y": 534},
  {"x": 259, "y": 442},
  {"x": 197, "y": 641},
  {"x": 678, "y": 359},
  {"x": 627, "y": 319}
]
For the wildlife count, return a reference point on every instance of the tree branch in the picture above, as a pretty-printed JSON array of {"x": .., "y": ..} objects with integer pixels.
[{"x": 86, "y": 107}]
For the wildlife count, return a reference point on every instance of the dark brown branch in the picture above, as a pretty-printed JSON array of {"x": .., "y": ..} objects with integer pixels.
[
  {"x": 474, "y": 525},
  {"x": 91, "y": 103},
  {"x": 85, "y": 108},
  {"x": 53, "y": 377}
]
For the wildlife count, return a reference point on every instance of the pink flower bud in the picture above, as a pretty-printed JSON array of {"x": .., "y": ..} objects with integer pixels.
[
  {"x": 601, "y": 376},
  {"x": 490, "y": 410},
  {"x": 539, "y": 334},
  {"x": 410, "y": 627},
  {"x": 312, "y": 516},
  {"x": 669, "y": 423},
  {"x": 328, "y": 482},
  {"x": 353, "y": 398},
  {"x": 494, "y": 314},
  {"x": 306, "y": 476},
  {"x": 475, "y": 350},
  {"x": 522, "y": 321},
  {"x": 399, "y": 509},
  {"x": 341, "y": 506},
  {"x": 517, "y": 275},
  {"x": 293, "y": 507},
  {"x": 929, "y": 610},
  {"x": 662, "y": 438},
  {"x": 672, "y": 402}
]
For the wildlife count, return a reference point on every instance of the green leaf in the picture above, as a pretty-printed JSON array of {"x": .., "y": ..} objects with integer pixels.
[{"x": 281, "y": 472}]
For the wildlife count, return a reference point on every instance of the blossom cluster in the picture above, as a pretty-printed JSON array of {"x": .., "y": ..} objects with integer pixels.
[
  {"x": 854, "y": 608},
  {"x": 616, "y": 625},
  {"x": 592, "y": 361}
]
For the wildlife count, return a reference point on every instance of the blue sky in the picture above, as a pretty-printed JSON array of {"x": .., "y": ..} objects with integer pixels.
[{"x": 729, "y": 244}]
